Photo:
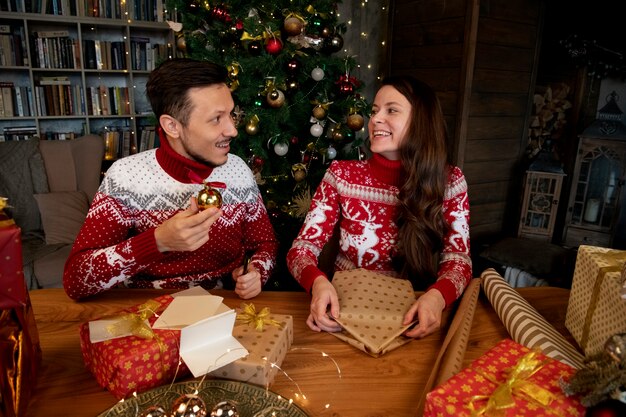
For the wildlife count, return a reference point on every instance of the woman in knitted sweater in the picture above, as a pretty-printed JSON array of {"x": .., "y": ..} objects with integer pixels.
[{"x": 404, "y": 212}]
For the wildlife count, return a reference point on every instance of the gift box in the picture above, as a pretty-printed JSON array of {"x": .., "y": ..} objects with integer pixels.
[
  {"x": 596, "y": 310},
  {"x": 20, "y": 351},
  {"x": 139, "y": 362},
  {"x": 508, "y": 380},
  {"x": 267, "y": 337}
]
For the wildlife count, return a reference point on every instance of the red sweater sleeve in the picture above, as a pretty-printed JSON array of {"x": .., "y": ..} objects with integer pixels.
[{"x": 455, "y": 264}]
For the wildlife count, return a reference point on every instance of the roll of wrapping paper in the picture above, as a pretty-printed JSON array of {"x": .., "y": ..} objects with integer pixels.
[
  {"x": 450, "y": 358},
  {"x": 524, "y": 323}
]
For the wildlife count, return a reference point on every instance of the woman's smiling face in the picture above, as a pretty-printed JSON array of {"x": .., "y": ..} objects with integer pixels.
[{"x": 389, "y": 121}]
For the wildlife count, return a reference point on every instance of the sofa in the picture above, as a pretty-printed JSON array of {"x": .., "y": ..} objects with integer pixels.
[{"x": 49, "y": 185}]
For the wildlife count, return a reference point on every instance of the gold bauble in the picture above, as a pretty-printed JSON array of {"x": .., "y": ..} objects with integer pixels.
[
  {"x": 181, "y": 44},
  {"x": 209, "y": 197},
  {"x": 252, "y": 128},
  {"x": 319, "y": 112},
  {"x": 293, "y": 26},
  {"x": 299, "y": 175},
  {"x": 337, "y": 135},
  {"x": 355, "y": 121},
  {"x": 275, "y": 98}
]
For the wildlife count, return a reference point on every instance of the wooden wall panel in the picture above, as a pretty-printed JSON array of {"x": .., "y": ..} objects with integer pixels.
[{"x": 480, "y": 57}]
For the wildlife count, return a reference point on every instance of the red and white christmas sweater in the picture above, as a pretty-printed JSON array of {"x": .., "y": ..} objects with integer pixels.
[
  {"x": 363, "y": 196},
  {"x": 116, "y": 245}
]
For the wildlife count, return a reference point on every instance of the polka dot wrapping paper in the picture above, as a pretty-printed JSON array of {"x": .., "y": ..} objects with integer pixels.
[
  {"x": 537, "y": 393},
  {"x": 372, "y": 307},
  {"x": 596, "y": 310}
]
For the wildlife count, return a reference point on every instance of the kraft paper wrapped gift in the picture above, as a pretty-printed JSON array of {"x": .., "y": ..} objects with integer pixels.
[
  {"x": 20, "y": 351},
  {"x": 511, "y": 379},
  {"x": 372, "y": 308},
  {"x": 596, "y": 310},
  {"x": 267, "y": 337}
]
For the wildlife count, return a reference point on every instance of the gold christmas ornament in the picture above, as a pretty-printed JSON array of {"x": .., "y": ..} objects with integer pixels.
[
  {"x": 154, "y": 411},
  {"x": 252, "y": 127},
  {"x": 355, "y": 121},
  {"x": 319, "y": 112},
  {"x": 181, "y": 43},
  {"x": 293, "y": 26},
  {"x": 189, "y": 405},
  {"x": 298, "y": 171},
  {"x": 225, "y": 409},
  {"x": 209, "y": 197},
  {"x": 275, "y": 98}
]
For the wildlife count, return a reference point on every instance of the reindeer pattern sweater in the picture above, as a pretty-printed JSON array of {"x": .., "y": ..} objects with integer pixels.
[
  {"x": 363, "y": 196},
  {"x": 116, "y": 245}
]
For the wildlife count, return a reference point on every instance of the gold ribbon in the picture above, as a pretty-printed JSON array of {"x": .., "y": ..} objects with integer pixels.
[
  {"x": 288, "y": 14},
  {"x": 135, "y": 323},
  {"x": 616, "y": 260},
  {"x": 311, "y": 10},
  {"x": 3, "y": 205},
  {"x": 325, "y": 105},
  {"x": 245, "y": 36},
  {"x": 258, "y": 320},
  {"x": 516, "y": 384}
]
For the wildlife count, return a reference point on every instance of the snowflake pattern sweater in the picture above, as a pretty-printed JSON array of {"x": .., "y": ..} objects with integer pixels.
[
  {"x": 363, "y": 196},
  {"x": 116, "y": 245}
]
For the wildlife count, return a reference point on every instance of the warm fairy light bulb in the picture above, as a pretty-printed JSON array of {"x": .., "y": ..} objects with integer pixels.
[{"x": 383, "y": 43}]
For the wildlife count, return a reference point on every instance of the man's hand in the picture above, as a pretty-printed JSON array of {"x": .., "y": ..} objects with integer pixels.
[
  {"x": 187, "y": 230},
  {"x": 247, "y": 285},
  {"x": 324, "y": 298}
]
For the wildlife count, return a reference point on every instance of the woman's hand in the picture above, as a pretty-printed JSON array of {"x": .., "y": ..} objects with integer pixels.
[
  {"x": 324, "y": 299},
  {"x": 428, "y": 309}
]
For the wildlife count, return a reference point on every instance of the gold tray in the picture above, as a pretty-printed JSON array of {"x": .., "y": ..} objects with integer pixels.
[{"x": 251, "y": 400}]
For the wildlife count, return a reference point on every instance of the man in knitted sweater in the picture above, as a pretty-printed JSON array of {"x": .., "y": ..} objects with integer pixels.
[
  {"x": 396, "y": 212},
  {"x": 145, "y": 229}
]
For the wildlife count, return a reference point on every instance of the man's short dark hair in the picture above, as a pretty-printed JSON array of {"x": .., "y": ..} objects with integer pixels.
[{"x": 168, "y": 85}]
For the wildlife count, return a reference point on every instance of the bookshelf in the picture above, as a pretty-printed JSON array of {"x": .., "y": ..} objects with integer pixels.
[{"x": 72, "y": 67}]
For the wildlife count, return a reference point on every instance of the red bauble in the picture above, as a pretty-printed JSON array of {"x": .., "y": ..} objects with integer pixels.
[
  {"x": 273, "y": 46},
  {"x": 258, "y": 161},
  {"x": 346, "y": 88},
  {"x": 294, "y": 140}
]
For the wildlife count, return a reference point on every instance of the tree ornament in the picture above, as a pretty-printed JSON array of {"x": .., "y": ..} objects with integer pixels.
[
  {"x": 337, "y": 134},
  {"x": 293, "y": 25},
  {"x": 275, "y": 98},
  {"x": 225, "y": 409},
  {"x": 181, "y": 44},
  {"x": 355, "y": 121},
  {"x": 258, "y": 162},
  {"x": 327, "y": 31},
  {"x": 317, "y": 130},
  {"x": 209, "y": 197},
  {"x": 281, "y": 148},
  {"x": 331, "y": 152},
  {"x": 293, "y": 66},
  {"x": 294, "y": 140},
  {"x": 292, "y": 85},
  {"x": 317, "y": 74},
  {"x": 346, "y": 88},
  {"x": 273, "y": 46},
  {"x": 298, "y": 171},
  {"x": 319, "y": 112},
  {"x": 254, "y": 48},
  {"x": 154, "y": 411},
  {"x": 219, "y": 12},
  {"x": 189, "y": 405},
  {"x": 334, "y": 43},
  {"x": 233, "y": 74},
  {"x": 252, "y": 127}
]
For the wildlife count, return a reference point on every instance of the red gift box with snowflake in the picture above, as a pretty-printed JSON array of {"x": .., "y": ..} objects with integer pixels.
[{"x": 508, "y": 380}]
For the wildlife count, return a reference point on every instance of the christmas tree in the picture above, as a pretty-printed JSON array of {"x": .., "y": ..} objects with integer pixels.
[{"x": 298, "y": 106}]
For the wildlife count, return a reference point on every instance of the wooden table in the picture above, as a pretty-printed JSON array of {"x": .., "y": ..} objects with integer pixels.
[{"x": 386, "y": 386}]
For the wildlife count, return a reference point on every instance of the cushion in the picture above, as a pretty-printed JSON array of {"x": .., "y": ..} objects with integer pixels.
[
  {"x": 532, "y": 256},
  {"x": 62, "y": 214},
  {"x": 22, "y": 173}
]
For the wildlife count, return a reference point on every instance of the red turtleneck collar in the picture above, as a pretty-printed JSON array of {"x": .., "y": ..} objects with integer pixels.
[
  {"x": 386, "y": 170},
  {"x": 177, "y": 165}
]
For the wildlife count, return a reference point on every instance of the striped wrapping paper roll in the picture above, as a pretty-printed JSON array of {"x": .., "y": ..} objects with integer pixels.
[{"x": 524, "y": 323}]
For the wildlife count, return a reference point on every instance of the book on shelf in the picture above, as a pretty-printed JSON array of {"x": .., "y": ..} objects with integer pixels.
[
  {"x": 18, "y": 133},
  {"x": 6, "y": 89},
  {"x": 54, "y": 80}
]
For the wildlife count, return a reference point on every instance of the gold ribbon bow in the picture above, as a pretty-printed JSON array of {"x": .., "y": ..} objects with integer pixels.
[
  {"x": 516, "y": 384},
  {"x": 325, "y": 105},
  {"x": 135, "y": 323},
  {"x": 245, "y": 36},
  {"x": 3, "y": 205},
  {"x": 258, "y": 320},
  {"x": 615, "y": 260},
  {"x": 311, "y": 10},
  {"x": 289, "y": 14}
]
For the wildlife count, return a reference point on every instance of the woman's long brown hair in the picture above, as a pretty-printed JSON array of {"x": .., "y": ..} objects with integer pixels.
[{"x": 421, "y": 225}]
